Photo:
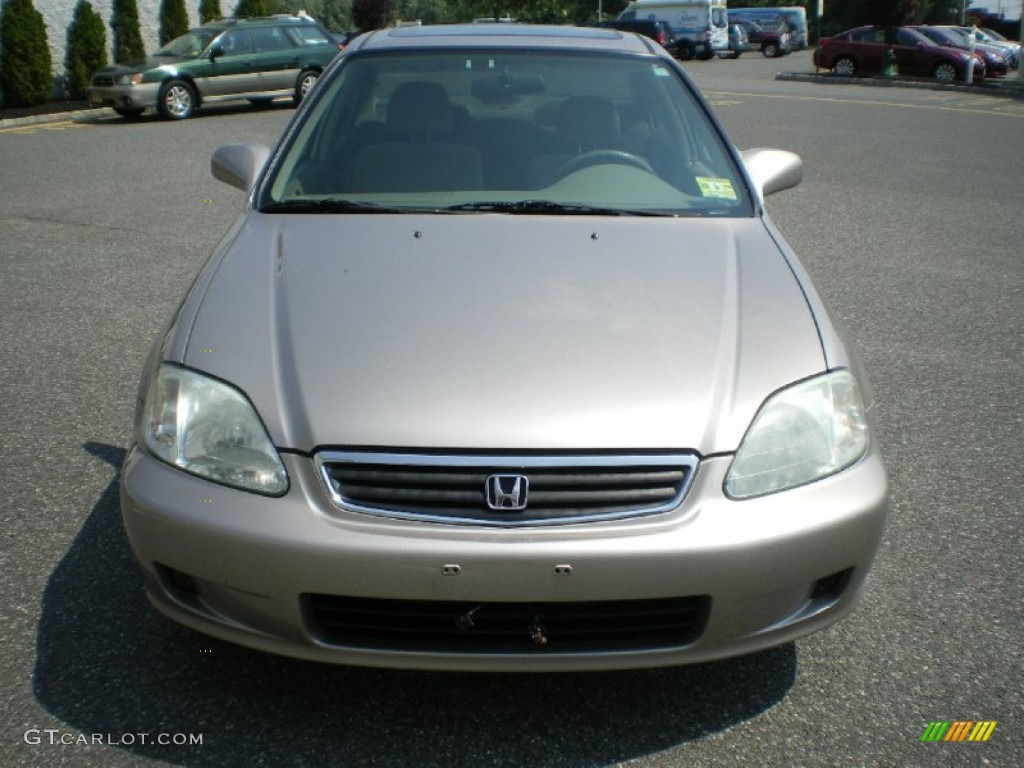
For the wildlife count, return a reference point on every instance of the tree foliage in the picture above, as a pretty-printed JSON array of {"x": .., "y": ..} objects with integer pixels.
[
  {"x": 336, "y": 15},
  {"x": 86, "y": 49},
  {"x": 25, "y": 65},
  {"x": 124, "y": 21},
  {"x": 885, "y": 13},
  {"x": 246, "y": 8},
  {"x": 209, "y": 10},
  {"x": 173, "y": 20},
  {"x": 370, "y": 14}
]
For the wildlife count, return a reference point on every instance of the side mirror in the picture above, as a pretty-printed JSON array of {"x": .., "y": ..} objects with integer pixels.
[
  {"x": 238, "y": 164},
  {"x": 773, "y": 170},
  {"x": 215, "y": 51}
]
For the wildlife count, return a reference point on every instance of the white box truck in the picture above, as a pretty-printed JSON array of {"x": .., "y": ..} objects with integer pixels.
[{"x": 701, "y": 26}]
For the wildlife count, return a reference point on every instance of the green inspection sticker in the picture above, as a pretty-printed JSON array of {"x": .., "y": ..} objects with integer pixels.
[{"x": 721, "y": 188}]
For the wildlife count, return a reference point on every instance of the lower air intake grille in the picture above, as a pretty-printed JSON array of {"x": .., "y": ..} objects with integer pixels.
[{"x": 468, "y": 627}]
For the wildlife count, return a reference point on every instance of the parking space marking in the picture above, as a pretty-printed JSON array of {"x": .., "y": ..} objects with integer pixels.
[
  {"x": 1001, "y": 109},
  {"x": 27, "y": 130}
]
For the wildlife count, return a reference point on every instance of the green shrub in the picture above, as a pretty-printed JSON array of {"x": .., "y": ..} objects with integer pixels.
[
  {"x": 86, "y": 49},
  {"x": 124, "y": 21},
  {"x": 209, "y": 10},
  {"x": 173, "y": 20},
  {"x": 25, "y": 67}
]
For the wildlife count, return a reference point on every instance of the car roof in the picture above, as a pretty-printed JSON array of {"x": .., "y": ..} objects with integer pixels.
[
  {"x": 503, "y": 36},
  {"x": 258, "y": 21}
]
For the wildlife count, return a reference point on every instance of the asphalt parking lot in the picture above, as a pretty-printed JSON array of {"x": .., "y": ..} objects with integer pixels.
[{"x": 908, "y": 219}]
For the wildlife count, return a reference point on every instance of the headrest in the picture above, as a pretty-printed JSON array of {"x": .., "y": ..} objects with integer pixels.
[
  {"x": 589, "y": 121},
  {"x": 419, "y": 107}
]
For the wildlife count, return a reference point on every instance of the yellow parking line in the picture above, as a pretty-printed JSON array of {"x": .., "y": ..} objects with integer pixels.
[{"x": 33, "y": 127}]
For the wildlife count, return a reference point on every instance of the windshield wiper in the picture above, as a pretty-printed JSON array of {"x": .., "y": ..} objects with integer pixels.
[
  {"x": 549, "y": 207},
  {"x": 327, "y": 206}
]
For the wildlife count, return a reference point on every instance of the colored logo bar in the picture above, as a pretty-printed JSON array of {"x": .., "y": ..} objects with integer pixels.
[{"x": 958, "y": 730}]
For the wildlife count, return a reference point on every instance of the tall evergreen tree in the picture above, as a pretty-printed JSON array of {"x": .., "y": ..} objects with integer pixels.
[
  {"x": 86, "y": 49},
  {"x": 25, "y": 66},
  {"x": 124, "y": 21},
  {"x": 209, "y": 10},
  {"x": 173, "y": 20},
  {"x": 251, "y": 8}
]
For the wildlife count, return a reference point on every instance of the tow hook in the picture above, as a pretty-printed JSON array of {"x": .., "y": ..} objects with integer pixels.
[{"x": 537, "y": 632}]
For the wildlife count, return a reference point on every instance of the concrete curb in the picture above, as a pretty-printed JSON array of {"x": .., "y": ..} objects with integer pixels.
[
  {"x": 56, "y": 117},
  {"x": 1007, "y": 90}
]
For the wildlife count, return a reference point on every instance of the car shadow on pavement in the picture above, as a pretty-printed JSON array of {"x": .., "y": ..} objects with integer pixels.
[
  {"x": 227, "y": 109},
  {"x": 109, "y": 667}
]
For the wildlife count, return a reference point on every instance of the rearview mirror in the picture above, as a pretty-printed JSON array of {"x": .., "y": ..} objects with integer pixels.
[
  {"x": 238, "y": 164},
  {"x": 773, "y": 170}
]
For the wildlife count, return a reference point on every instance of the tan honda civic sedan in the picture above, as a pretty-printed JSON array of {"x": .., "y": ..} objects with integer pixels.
[{"x": 503, "y": 366}]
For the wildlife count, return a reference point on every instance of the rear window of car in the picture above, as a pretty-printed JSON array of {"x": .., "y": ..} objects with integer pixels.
[
  {"x": 270, "y": 39},
  {"x": 440, "y": 130},
  {"x": 308, "y": 34}
]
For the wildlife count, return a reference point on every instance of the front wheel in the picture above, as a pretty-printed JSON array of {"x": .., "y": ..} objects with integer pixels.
[
  {"x": 770, "y": 50},
  {"x": 304, "y": 84},
  {"x": 845, "y": 67},
  {"x": 945, "y": 73},
  {"x": 177, "y": 100}
]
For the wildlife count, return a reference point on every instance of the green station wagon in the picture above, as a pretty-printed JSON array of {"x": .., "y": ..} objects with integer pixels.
[{"x": 255, "y": 59}]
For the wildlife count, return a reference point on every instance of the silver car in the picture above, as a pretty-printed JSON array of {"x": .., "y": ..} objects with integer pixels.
[{"x": 503, "y": 366}]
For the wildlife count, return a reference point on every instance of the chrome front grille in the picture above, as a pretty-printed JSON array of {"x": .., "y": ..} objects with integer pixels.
[{"x": 549, "y": 489}]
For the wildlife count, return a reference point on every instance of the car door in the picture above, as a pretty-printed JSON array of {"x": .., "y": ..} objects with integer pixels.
[
  {"x": 870, "y": 50},
  {"x": 233, "y": 68},
  {"x": 913, "y": 55},
  {"x": 278, "y": 58}
]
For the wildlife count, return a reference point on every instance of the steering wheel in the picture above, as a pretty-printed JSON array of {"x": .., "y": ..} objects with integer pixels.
[{"x": 603, "y": 157}]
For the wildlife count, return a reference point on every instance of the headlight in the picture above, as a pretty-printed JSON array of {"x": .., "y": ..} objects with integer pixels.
[
  {"x": 129, "y": 79},
  {"x": 210, "y": 429},
  {"x": 803, "y": 433}
]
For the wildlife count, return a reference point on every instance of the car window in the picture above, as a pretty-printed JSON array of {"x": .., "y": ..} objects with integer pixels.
[
  {"x": 236, "y": 42},
  {"x": 270, "y": 39},
  {"x": 868, "y": 36},
  {"x": 906, "y": 37},
  {"x": 308, "y": 34},
  {"x": 190, "y": 44},
  {"x": 438, "y": 130}
]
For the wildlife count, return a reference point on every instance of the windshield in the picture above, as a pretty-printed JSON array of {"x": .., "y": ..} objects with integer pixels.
[
  {"x": 188, "y": 45},
  {"x": 516, "y": 132}
]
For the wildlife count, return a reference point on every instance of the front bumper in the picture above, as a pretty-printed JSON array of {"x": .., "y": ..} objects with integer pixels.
[
  {"x": 243, "y": 567},
  {"x": 141, "y": 96}
]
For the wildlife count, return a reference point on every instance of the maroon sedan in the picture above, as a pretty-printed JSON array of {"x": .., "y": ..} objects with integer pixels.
[
  {"x": 861, "y": 51},
  {"x": 996, "y": 64}
]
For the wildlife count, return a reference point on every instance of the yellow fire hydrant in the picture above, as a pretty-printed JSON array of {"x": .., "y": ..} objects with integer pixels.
[{"x": 890, "y": 69}]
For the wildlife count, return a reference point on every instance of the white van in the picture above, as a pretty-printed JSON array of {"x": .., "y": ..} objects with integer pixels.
[
  {"x": 701, "y": 26},
  {"x": 791, "y": 18}
]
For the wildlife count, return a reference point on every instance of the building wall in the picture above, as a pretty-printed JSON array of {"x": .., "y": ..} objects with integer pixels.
[{"x": 59, "y": 13}]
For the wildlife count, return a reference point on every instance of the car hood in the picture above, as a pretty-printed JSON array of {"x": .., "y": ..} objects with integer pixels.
[
  {"x": 502, "y": 332},
  {"x": 153, "y": 62}
]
